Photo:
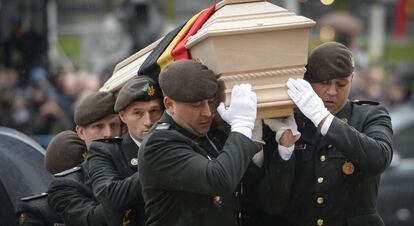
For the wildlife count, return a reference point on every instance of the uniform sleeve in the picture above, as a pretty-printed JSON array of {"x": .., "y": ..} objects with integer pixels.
[
  {"x": 175, "y": 164},
  {"x": 29, "y": 216},
  {"x": 370, "y": 149},
  {"x": 71, "y": 202},
  {"x": 111, "y": 189}
]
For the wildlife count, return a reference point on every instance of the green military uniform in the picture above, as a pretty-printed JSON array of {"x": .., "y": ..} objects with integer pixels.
[
  {"x": 71, "y": 197},
  {"x": 336, "y": 176},
  {"x": 183, "y": 177},
  {"x": 34, "y": 210},
  {"x": 113, "y": 170}
]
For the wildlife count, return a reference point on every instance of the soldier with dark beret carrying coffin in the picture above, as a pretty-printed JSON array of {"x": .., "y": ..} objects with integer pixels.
[
  {"x": 113, "y": 162},
  {"x": 188, "y": 178},
  {"x": 344, "y": 147}
]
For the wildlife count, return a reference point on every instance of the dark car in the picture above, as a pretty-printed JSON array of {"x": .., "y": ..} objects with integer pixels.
[{"x": 396, "y": 193}]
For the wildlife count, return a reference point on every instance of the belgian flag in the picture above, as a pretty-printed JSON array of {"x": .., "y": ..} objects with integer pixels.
[{"x": 172, "y": 46}]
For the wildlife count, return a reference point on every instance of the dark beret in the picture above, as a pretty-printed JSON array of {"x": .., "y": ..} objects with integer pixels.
[
  {"x": 188, "y": 81},
  {"x": 64, "y": 151},
  {"x": 140, "y": 88},
  {"x": 328, "y": 61},
  {"x": 94, "y": 107}
]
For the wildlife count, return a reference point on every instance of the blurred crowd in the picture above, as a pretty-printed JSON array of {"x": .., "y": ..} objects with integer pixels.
[{"x": 43, "y": 103}]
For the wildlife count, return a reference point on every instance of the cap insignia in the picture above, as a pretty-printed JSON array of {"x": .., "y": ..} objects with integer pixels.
[{"x": 150, "y": 90}]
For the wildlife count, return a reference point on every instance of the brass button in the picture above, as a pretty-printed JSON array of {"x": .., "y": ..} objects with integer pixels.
[
  {"x": 320, "y": 180},
  {"x": 329, "y": 146},
  {"x": 320, "y": 200},
  {"x": 323, "y": 158},
  {"x": 319, "y": 222}
]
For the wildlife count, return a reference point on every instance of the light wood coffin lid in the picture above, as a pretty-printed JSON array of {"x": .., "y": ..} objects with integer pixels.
[{"x": 255, "y": 42}]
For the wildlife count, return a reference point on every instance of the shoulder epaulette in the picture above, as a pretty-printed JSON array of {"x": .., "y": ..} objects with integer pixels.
[
  {"x": 67, "y": 172},
  {"x": 363, "y": 102},
  {"x": 109, "y": 140},
  {"x": 28, "y": 198},
  {"x": 163, "y": 126}
]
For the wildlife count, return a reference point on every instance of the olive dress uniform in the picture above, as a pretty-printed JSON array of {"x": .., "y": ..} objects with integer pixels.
[
  {"x": 115, "y": 181},
  {"x": 183, "y": 177},
  {"x": 336, "y": 176},
  {"x": 71, "y": 196},
  {"x": 35, "y": 211}
]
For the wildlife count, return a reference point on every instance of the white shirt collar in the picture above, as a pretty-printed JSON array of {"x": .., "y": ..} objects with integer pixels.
[{"x": 135, "y": 140}]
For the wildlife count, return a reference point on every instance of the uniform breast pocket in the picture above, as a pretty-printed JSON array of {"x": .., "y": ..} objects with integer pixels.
[{"x": 303, "y": 152}]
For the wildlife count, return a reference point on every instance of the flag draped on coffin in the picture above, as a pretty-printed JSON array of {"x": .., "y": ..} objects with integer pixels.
[{"x": 172, "y": 46}]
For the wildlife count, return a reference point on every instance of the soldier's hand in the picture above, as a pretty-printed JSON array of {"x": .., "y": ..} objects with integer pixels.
[
  {"x": 286, "y": 134},
  {"x": 241, "y": 114},
  {"x": 281, "y": 125},
  {"x": 308, "y": 102}
]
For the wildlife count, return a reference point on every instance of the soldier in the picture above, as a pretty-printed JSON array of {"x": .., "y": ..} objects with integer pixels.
[
  {"x": 344, "y": 147},
  {"x": 186, "y": 178},
  {"x": 64, "y": 152},
  {"x": 70, "y": 193},
  {"x": 95, "y": 119},
  {"x": 113, "y": 162}
]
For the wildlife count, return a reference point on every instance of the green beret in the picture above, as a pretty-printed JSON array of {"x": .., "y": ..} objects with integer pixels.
[
  {"x": 141, "y": 88},
  {"x": 94, "y": 108},
  {"x": 188, "y": 81},
  {"x": 64, "y": 151},
  {"x": 329, "y": 61}
]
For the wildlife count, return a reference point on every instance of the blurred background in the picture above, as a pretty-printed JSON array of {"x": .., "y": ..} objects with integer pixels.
[{"x": 55, "y": 51}]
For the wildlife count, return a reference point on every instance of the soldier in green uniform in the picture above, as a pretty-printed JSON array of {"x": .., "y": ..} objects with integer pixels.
[
  {"x": 186, "y": 178},
  {"x": 113, "y": 162},
  {"x": 63, "y": 152},
  {"x": 344, "y": 147},
  {"x": 70, "y": 193}
]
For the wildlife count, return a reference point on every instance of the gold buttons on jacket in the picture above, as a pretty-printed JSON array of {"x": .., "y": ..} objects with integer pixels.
[
  {"x": 322, "y": 158},
  {"x": 319, "y": 222},
  {"x": 320, "y": 180},
  {"x": 320, "y": 200}
]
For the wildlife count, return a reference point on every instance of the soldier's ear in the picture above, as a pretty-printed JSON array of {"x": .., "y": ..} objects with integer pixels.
[
  {"x": 81, "y": 132},
  {"x": 169, "y": 104}
]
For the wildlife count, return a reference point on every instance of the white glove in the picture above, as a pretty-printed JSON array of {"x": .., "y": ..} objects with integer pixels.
[
  {"x": 241, "y": 113},
  {"x": 281, "y": 125},
  {"x": 308, "y": 102}
]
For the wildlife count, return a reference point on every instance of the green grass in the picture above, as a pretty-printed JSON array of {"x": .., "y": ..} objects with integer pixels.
[
  {"x": 71, "y": 47},
  {"x": 399, "y": 52}
]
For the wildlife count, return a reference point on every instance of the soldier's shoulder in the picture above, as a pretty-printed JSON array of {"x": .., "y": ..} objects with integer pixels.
[
  {"x": 110, "y": 140},
  {"x": 68, "y": 172},
  {"x": 34, "y": 197},
  {"x": 162, "y": 126},
  {"x": 364, "y": 102}
]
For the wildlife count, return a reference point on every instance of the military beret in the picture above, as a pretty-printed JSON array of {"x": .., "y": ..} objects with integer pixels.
[
  {"x": 141, "y": 88},
  {"x": 328, "y": 61},
  {"x": 64, "y": 151},
  {"x": 188, "y": 81},
  {"x": 94, "y": 107}
]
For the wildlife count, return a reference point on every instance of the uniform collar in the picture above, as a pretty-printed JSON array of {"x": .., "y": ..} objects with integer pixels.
[
  {"x": 130, "y": 150},
  {"x": 345, "y": 112},
  {"x": 166, "y": 118}
]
